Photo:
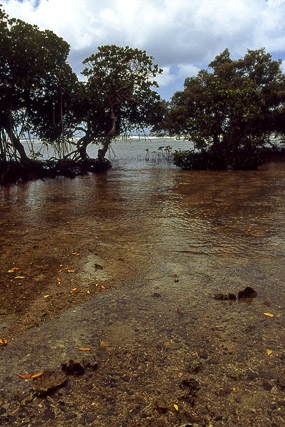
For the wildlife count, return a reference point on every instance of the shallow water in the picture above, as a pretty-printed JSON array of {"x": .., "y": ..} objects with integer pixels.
[{"x": 170, "y": 240}]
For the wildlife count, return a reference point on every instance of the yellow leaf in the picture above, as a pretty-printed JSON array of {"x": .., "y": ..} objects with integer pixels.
[
  {"x": 104, "y": 344},
  {"x": 269, "y": 314},
  {"x": 19, "y": 277},
  {"x": 88, "y": 292},
  {"x": 25, "y": 376},
  {"x": 70, "y": 271},
  {"x": 46, "y": 296},
  {"x": 13, "y": 269},
  {"x": 37, "y": 375},
  {"x": 176, "y": 407},
  {"x": 97, "y": 284},
  {"x": 268, "y": 351},
  {"x": 3, "y": 342}
]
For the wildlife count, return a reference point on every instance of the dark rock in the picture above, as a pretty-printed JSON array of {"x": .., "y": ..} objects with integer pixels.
[
  {"x": 73, "y": 367},
  {"x": 225, "y": 297},
  {"x": 266, "y": 385},
  {"x": 156, "y": 295},
  {"x": 98, "y": 267},
  {"x": 160, "y": 405},
  {"x": 48, "y": 382},
  {"x": 248, "y": 292}
]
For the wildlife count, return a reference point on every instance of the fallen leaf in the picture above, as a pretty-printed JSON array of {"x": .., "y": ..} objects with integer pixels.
[
  {"x": 84, "y": 348},
  {"x": 268, "y": 351},
  {"x": 74, "y": 253},
  {"x": 88, "y": 292},
  {"x": 103, "y": 287},
  {"x": 234, "y": 389},
  {"x": 13, "y": 269},
  {"x": 97, "y": 284},
  {"x": 25, "y": 376},
  {"x": 58, "y": 280},
  {"x": 37, "y": 375},
  {"x": 3, "y": 342},
  {"x": 46, "y": 296},
  {"x": 177, "y": 310},
  {"x": 19, "y": 277},
  {"x": 267, "y": 303},
  {"x": 55, "y": 249},
  {"x": 176, "y": 407},
  {"x": 269, "y": 314},
  {"x": 250, "y": 317},
  {"x": 70, "y": 271},
  {"x": 104, "y": 344}
]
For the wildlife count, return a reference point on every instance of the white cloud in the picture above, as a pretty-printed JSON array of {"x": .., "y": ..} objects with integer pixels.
[{"x": 182, "y": 35}]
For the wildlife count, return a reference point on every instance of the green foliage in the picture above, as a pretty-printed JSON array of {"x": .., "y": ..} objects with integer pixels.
[
  {"x": 230, "y": 112},
  {"x": 119, "y": 96},
  {"x": 37, "y": 85}
]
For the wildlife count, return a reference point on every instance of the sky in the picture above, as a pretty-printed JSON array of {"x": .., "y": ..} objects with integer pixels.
[{"x": 183, "y": 36}]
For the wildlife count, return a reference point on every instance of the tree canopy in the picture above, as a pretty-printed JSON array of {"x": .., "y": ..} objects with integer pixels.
[
  {"x": 36, "y": 85},
  {"x": 229, "y": 111},
  {"x": 119, "y": 95}
]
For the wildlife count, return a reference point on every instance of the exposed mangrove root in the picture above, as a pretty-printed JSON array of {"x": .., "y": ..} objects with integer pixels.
[{"x": 16, "y": 172}]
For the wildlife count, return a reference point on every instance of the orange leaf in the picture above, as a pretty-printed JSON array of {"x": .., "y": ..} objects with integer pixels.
[
  {"x": 70, "y": 271},
  {"x": 13, "y": 269},
  {"x": 24, "y": 377},
  {"x": 74, "y": 253},
  {"x": 269, "y": 314},
  {"x": 103, "y": 287},
  {"x": 58, "y": 280},
  {"x": 3, "y": 341},
  {"x": 37, "y": 375},
  {"x": 84, "y": 348}
]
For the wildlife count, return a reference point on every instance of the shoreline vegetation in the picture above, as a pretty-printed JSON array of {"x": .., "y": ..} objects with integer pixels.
[
  {"x": 231, "y": 111},
  {"x": 14, "y": 172}
]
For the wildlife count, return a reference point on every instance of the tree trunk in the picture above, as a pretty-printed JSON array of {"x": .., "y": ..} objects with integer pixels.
[
  {"x": 102, "y": 152},
  {"x": 18, "y": 145}
]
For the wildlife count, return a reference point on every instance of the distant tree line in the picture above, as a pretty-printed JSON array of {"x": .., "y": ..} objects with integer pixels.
[{"x": 229, "y": 112}]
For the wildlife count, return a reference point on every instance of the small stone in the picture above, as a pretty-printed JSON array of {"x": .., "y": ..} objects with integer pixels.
[
  {"x": 156, "y": 295},
  {"x": 160, "y": 405},
  {"x": 48, "y": 382},
  {"x": 73, "y": 367},
  {"x": 266, "y": 385}
]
